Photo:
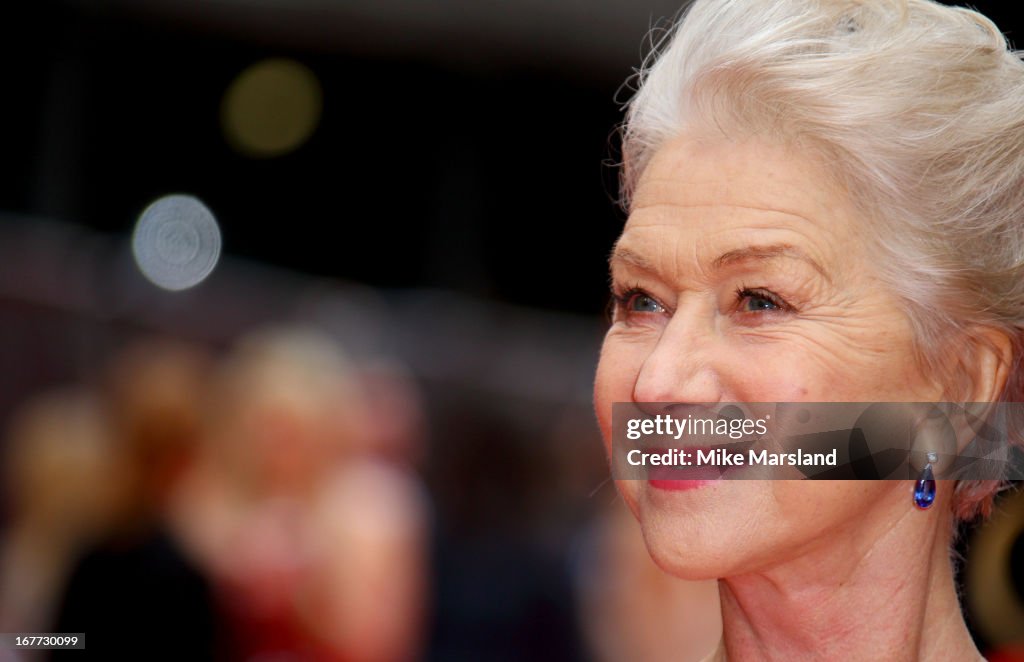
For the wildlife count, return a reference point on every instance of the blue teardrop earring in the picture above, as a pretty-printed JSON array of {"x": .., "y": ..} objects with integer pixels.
[{"x": 924, "y": 489}]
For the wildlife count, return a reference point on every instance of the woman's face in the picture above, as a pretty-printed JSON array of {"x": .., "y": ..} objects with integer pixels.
[{"x": 742, "y": 275}]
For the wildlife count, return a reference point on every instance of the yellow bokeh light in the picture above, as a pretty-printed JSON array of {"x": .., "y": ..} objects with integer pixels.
[{"x": 271, "y": 108}]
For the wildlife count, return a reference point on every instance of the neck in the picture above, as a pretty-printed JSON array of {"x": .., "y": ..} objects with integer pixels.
[{"x": 893, "y": 599}]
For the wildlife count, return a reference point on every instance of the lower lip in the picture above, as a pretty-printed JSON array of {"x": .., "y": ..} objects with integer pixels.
[{"x": 677, "y": 480}]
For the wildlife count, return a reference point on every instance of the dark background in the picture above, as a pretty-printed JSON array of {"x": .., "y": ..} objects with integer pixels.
[{"x": 451, "y": 147}]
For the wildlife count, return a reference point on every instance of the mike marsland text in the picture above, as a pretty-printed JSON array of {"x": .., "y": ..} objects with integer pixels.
[{"x": 721, "y": 457}]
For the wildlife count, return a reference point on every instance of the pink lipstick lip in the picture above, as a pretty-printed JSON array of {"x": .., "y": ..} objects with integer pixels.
[
  {"x": 674, "y": 485},
  {"x": 679, "y": 479}
]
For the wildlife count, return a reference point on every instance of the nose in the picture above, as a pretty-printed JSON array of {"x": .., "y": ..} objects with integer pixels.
[{"x": 681, "y": 367}]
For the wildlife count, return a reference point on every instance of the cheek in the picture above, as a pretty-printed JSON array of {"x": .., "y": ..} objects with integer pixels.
[
  {"x": 772, "y": 377},
  {"x": 746, "y": 526},
  {"x": 797, "y": 378},
  {"x": 617, "y": 370},
  {"x": 613, "y": 382},
  {"x": 806, "y": 512},
  {"x": 822, "y": 365}
]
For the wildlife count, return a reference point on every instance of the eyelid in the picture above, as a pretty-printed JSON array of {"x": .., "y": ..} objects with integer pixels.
[
  {"x": 743, "y": 292},
  {"x": 623, "y": 297}
]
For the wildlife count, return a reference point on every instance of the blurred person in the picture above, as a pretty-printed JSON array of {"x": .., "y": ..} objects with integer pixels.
[
  {"x": 136, "y": 591},
  {"x": 316, "y": 544},
  {"x": 394, "y": 407},
  {"x": 370, "y": 533},
  {"x": 826, "y": 204},
  {"x": 372, "y": 522},
  {"x": 58, "y": 472}
]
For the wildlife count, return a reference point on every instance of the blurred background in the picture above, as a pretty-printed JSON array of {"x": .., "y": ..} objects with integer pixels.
[{"x": 300, "y": 302}]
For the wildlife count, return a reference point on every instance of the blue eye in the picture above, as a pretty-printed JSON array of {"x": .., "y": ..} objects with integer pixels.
[
  {"x": 638, "y": 302},
  {"x": 755, "y": 301}
]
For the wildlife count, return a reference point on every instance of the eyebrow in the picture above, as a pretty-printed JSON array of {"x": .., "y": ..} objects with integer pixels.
[
  {"x": 748, "y": 253},
  {"x": 632, "y": 257},
  {"x": 765, "y": 253}
]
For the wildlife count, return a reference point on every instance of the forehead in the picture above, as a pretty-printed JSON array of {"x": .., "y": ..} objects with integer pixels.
[{"x": 724, "y": 195}]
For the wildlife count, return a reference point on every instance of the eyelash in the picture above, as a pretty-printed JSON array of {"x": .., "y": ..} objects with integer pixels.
[
  {"x": 742, "y": 292},
  {"x": 620, "y": 300}
]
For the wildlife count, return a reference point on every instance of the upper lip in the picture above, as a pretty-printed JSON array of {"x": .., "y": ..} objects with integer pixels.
[{"x": 657, "y": 445}]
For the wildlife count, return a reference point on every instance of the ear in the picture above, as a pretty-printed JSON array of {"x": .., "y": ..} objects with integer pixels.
[{"x": 986, "y": 364}]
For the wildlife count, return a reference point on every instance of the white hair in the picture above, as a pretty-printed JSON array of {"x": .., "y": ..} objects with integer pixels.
[{"x": 916, "y": 108}]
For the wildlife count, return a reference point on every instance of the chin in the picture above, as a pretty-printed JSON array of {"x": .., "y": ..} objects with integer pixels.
[
  {"x": 697, "y": 534},
  {"x": 687, "y": 558}
]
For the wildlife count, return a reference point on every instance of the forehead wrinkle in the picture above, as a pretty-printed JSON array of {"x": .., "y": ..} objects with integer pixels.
[
  {"x": 768, "y": 253},
  {"x": 779, "y": 189},
  {"x": 769, "y": 189},
  {"x": 753, "y": 252},
  {"x": 666, "y": 214},
  {"x": 643, "y": 258},
  {"x": 766, "y": 210},
  {"x": 631, "y": 257}
]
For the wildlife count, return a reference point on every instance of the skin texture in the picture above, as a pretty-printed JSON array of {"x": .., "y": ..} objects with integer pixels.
[{"x": 743, "y": 275}]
